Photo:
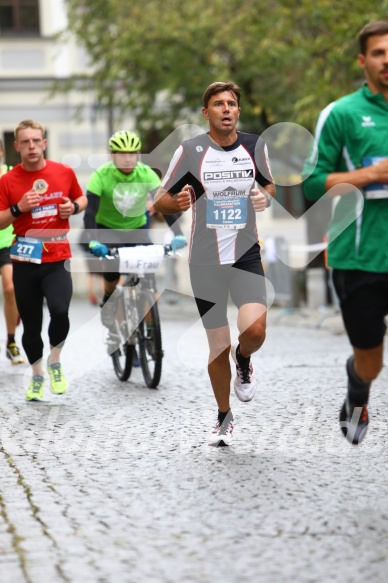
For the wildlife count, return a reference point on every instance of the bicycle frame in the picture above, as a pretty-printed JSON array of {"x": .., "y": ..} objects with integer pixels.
[
  {"x": 137, "y": 320},
  {"x": 132, "y": 285}
]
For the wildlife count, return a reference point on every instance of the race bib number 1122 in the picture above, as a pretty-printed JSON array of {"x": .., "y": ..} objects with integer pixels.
[{"x": 226, "y": 214}]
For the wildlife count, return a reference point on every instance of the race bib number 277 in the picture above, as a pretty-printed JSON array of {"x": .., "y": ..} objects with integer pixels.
[{"x": 27, "y": 249}]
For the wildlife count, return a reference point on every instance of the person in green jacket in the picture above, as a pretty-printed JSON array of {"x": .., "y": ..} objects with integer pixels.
[
  {"x": 11, "y": 313},
  {"x": 351, "y": 156},
  {"x": 118, "y": 194}
]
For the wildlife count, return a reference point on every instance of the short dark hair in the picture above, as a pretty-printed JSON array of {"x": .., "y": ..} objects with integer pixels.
[
  {"x": 218, "y": 87},
  {"x": 377, "y": 28}
]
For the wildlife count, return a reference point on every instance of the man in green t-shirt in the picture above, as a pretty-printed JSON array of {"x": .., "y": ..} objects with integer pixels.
[
  {"x": 11, "y": 313},
  {"x": 116, "y": 215},
  {"x": 352, "y": 148}
]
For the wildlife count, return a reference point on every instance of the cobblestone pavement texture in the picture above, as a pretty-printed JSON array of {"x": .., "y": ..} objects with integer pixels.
[{"x": 114, "y": 482}]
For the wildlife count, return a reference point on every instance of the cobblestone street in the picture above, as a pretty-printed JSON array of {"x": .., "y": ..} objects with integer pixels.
[{"x": 115, "y": 483}]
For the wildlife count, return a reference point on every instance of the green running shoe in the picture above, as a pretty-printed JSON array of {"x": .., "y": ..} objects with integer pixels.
[
  {"x": 58, "y": 383},
  {"x": 35, "y": 388}
]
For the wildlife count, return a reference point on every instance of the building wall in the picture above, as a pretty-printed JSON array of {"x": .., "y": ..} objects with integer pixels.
[{"x": 77, "y": 129}]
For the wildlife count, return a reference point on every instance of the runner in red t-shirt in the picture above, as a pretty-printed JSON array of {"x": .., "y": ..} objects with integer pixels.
[{"x": 38, "y": 196}]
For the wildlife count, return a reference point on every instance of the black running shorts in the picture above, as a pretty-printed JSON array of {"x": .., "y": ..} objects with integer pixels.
[
  {"x": 363, "y": 299},
  {"x": 212, "y": 285},
  {"x": 5, "y": 258}
]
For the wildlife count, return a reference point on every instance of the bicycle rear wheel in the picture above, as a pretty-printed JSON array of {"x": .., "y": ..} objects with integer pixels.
[
  {"x": 150, "y": 339},
  {"x": 122, "y": 356}
]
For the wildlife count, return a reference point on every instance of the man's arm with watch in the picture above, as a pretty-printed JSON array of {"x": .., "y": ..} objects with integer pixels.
[
  {"x": 70, "y": 207},
  {"x": 29, "y": 200},
  {"x": 262, "y": 196}
]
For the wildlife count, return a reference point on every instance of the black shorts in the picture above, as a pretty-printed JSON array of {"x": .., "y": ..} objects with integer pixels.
[
  {"x": 363, "y": 299},
  {"x": 5, "y": 258},
  {"x": 212, "y": 285}
]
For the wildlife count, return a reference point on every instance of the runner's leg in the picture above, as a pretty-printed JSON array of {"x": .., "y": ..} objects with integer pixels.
[
  {"x": 219, "y": 365},
  {"x": 57, "y": 288},
  {"x": 29, "y": 299}
]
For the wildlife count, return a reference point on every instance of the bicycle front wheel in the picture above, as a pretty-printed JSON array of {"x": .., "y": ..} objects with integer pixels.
[
  {"x": 122, "y": 356},
  {"x": 150, "y": 339},
  {"x": 122, "y": 361}
]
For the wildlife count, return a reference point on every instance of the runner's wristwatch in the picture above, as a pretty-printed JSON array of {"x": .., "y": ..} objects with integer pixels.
[
  {"x": 269, "y": 200},
  {"x": 15, "y": 210}
]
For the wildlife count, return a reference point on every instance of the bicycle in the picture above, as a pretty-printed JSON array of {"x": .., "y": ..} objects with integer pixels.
[{"x": 136, "y": 327}]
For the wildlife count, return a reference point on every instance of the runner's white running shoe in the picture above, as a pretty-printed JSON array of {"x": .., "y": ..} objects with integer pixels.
[
  {"x": 245, "y": 382},
  {"x": 223, "y": 432}
]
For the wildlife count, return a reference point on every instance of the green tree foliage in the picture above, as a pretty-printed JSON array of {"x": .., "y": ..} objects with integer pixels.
[{"x": 155, "y": 58}]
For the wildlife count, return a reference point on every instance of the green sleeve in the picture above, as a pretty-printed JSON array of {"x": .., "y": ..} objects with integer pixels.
[
  {"x": 326, "y": 152},
  {"x": 152, "y": 179},
  {"x": 95, "y": 184}
]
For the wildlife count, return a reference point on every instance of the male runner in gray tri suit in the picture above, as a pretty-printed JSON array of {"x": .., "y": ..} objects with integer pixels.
[{"x": 224, "y": 176}]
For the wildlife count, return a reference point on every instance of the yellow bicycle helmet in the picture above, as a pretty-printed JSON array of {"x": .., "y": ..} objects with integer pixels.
[{"x": 124, "y": 141}]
